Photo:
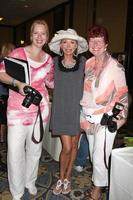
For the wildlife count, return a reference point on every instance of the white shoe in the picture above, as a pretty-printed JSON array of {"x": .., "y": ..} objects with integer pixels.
[
  {"x": 32, "y": 190},
  {"x": 17, "y": 197},
  {"x": 78, "y": 168}
]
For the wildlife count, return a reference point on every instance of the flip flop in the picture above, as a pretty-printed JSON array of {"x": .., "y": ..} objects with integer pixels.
[
  {"x": 58, "y": 188},
  {"x": 66, "y": 186}
]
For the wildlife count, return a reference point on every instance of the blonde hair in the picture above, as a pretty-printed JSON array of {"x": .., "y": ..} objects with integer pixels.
[
  {"x": 6, "y": 49},
  {"x": 42, "y": 22}
]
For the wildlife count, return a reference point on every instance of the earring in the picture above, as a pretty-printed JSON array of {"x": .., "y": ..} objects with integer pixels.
[
  {"x": 105, "y": 47},
  {"x": 61, "y": 52},
  {"x": 75, "y": 53},
  {"x": 31, "y": 38}
]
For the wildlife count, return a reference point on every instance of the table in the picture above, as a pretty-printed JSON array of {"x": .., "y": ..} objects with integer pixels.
[
  {"x": 121, "y": 176},
  {"x": 51, "y": 144}
]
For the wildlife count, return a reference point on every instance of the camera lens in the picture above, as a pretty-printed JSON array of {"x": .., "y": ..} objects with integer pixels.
[
  {"x": 27, "y": 89},
  {"x": 112, "y": 126},
  {"x": 27, "y": 101}
]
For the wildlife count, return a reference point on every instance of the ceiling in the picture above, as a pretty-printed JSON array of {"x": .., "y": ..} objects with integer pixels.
[{"x": 16, "y": 12}]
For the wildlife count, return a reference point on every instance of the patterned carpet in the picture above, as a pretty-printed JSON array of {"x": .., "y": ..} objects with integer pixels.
[
  {"x": 49, "y": 172},
  {"x": 47, "y": 177}
]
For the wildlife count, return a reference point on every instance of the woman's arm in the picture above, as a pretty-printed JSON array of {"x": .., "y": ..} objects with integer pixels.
[{"x": 5, "y": 78}]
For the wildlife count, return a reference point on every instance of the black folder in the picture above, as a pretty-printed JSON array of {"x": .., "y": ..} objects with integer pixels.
[{"x": 17, "y": 69}]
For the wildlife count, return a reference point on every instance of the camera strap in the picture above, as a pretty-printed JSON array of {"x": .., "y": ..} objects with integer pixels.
[
  {"x": 105, "y": 161},
  {"x": 41, "y": 127}
]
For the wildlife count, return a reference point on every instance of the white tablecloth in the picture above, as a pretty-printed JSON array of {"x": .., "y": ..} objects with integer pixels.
[
  {"x": 51, "y": 144},
  {"x": 121, "y": 176}
]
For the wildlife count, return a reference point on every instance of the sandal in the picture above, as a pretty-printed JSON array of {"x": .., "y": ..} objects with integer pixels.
[
  {"x": 66, "y": 186},
  {"x": 88, "y": 191},
  {"x": 93, "y": 198},
  {"x": 90, "y": 195},
  {"x": 58, "y": 188}
]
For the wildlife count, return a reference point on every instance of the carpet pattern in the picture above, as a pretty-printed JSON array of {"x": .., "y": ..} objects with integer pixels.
[
  {"x": 47, "y": 177},
  {"x": 49, "y": 172}
]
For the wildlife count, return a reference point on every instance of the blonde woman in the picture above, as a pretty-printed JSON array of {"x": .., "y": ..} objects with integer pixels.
[
  {"x": 65, "y": 118},
  {"x": 23, "y": 153}
]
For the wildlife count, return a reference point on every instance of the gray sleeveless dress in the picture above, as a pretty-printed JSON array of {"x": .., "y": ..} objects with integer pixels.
[{"x": 68, "y": 90}]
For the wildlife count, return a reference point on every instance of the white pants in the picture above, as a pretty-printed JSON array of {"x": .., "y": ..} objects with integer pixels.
[
  {"x": 23, "y": 158},
  {"x": 96, "y": 146}
]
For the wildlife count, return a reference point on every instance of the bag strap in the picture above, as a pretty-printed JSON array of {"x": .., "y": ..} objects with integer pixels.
[{"x": 41, "y": 127}]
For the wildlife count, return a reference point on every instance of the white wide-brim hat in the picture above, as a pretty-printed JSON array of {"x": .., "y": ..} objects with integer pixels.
[{"x": 54, "y": 44}]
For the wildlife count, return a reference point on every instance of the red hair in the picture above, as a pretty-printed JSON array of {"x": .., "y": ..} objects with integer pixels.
[{"x": 98, "y": 31}]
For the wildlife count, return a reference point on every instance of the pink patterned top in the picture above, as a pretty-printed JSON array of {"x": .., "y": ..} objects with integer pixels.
[
  {"x": 41, "y": 77},
  {"x": 101, "y": 93}
]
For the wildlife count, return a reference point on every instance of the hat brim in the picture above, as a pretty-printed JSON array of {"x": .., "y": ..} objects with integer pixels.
[{"x": 54, "y": 45}]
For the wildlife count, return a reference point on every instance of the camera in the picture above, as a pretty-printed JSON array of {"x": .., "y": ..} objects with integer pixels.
[
  {"x": 32, "y": 97},
  {"x": 107, "y": 120}
]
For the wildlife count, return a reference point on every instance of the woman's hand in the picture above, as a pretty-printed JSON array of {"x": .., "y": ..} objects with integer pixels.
[
  {"x": 120, "y": 122},
  {"x": 20, "y": 86}
]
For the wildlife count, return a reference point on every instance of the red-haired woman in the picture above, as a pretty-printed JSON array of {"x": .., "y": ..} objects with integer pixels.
[{"x": 104, "y": 87}]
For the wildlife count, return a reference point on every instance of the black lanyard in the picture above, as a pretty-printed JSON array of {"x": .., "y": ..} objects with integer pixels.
[
  {"x": 41, "y": 127},
  {"x": 105, "y": 161}
]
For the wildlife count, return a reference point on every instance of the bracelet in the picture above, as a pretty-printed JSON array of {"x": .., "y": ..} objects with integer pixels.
[{"x": 14, "y": 82}]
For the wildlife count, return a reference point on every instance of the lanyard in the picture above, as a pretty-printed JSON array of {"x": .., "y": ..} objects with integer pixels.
[{"x": 41, "y": 127}]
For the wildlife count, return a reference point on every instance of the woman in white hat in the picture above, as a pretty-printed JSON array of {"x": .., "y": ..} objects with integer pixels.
[{"x": 65, "y": 119}]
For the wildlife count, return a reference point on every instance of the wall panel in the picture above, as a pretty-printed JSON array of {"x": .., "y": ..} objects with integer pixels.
[
  {"x": 113, "y": 15},
  {"x": 6, "y": 35}
]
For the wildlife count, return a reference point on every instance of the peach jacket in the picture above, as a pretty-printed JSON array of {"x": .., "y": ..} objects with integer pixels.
[
  {"x": 101, "y": 93},
  {"x": 41, "y": 77}
]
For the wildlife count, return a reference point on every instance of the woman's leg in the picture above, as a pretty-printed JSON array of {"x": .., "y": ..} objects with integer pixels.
[
  {"x": 33, "y": 153},
  {"x": 65, "y": 155},
  {"x": 103, "y": 142},
  {"x": 3, "y": 119},
  {"x": 64, "y": 160},
  {"x": 67, "y": 158},
  {"x": 3, "y": 129},
  {"x": 16, "y": 160},
  {"x": 83, "y": 151},
  {"x": 100, "y": 172},
  {"x": 74, "y": 148},
  {"x": 68, "y": 155}
]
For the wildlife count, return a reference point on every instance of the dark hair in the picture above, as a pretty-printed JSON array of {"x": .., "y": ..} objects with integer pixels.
[{"x": 98, "y": 31}]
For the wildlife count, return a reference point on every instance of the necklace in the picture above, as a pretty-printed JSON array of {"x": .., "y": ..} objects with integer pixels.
[
  {"x": 100, "y": 64},
  {"x": 98, "y": 70},
  {"x": 68, "y": 66}
]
